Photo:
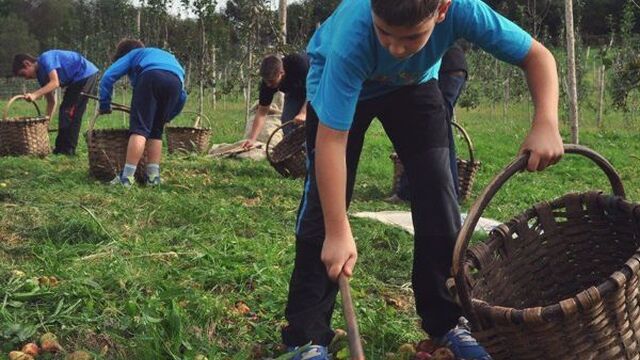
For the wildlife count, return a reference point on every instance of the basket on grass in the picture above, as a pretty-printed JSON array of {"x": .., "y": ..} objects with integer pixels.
[
  {"x": 107, "y": 149},
  {"x": 289, "y": 156},
  {"x": 189, "y": 139},
  {"x": 25, "y": 135},
  {"x": 467, "y": 169},
  {"x": 558, "y": 281}
]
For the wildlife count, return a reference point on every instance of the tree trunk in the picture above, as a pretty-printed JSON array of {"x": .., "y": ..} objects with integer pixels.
[
  {"x": 138, "y": 18},
  {"x": 282, "y": 13},
  {"x": 601, "y": 83},
  {"x": 213, "y": 75},
  {"x": 571, "y": 73}
]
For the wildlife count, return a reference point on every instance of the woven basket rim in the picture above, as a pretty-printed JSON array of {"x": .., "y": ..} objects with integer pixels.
[
  {"x": 25, "y": 119},
  {"x": 173, "y": 128},
  {"x": 559, "y": 309}
]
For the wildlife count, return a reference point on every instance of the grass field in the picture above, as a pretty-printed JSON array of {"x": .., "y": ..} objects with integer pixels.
[{"x": 160, "y": 273}]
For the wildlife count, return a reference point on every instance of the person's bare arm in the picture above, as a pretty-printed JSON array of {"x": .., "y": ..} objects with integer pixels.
[
  {"x": 543, "y": 142},
  {"x": 51, "y": 104},
  {"x": 339, "y": 253},
  {"x": 302, "y": 114},
  {"x": 256, "y": 127},
  {"x": 53, "y": 84}
]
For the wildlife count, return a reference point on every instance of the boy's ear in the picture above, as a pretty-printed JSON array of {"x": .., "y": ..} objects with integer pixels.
[
  {"x": 26, "y": 63},
  {"x": 441, "y": 13}
]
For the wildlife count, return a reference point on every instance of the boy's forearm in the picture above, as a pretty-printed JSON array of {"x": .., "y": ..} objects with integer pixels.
[
  {"x": 51, "y": 104},
  {"x": 303, "y": 110},
  {"x": 47, "y": 89},
  {"x": 542, "y": 78},
  {"x": 258, "y": 122},
  {"x": 331, "y": 175}
]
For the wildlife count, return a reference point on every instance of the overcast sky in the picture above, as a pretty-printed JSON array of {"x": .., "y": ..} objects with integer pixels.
[{"x": 176, "y": 9}]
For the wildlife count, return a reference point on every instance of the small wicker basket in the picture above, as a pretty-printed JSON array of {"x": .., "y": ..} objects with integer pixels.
[
  {"x": 559, "y": 281},
  {"x": 467, "y": 169},
  {"x": 24, "y": 135},
  {"x": 289, "y": 156},
  {"x": 107, "y": 150},
  {"x": 189, "y": 139}
]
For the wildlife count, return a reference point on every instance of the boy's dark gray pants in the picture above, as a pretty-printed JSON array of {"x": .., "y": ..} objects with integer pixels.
[
  {"x": 416, "y": 121},
  {"x": 70, "y": 115}
]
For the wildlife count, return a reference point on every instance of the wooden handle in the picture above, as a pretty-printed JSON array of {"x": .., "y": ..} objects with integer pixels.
[
  {"x": 115, "y": 106},
  {"x": 12, "y": 100},
  {"x": 355, "y": 345},
  {"x": 464, "y": 237}
]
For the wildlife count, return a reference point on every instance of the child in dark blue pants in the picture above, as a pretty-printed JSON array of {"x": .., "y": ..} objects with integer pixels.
[
  {"x": 380, "y": 58},
  {"x": 451, "y": 80},
  {"x": 158, "y": 96}
]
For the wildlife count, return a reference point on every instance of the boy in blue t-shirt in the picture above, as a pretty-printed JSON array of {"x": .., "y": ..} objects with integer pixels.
[
  {"x": 380, "y": 58},
  {"x": 54, "y": 69},
  {"x": 157, "y": 79}
]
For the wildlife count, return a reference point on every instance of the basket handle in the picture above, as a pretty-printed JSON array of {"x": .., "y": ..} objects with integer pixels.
[
  {"x": 467, "y": 139},
  {"x": 517, "y": 165},
  {"x": 266, "y": 149},
  {"x": 92, "y": 122},
  {"x": 12, "y": 100},
  {"x": 199, "y": 116}
]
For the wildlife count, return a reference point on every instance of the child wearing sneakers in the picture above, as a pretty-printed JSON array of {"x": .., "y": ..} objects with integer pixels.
[
  {"x": 380, "y": 58},
  {"x": 157, "y": 79}
]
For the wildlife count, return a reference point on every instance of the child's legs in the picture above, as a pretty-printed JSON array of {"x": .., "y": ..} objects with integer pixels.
[
  {"x": 154, "y": 151},
  {"x": 70, "y": 115},
  {"x": 135, "y": 149},
  {"x": 311, "y": 292},
  {"x": 154, "y": 97},
  {"x": 418, "y": 128}
]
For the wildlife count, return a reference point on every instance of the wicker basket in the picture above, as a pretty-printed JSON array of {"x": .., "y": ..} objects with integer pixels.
[
  {"x": 24, "y": 135},
  {"x": 189, "y": 139},
  {"x": 289, "y": 156},
  {"x": 107, "y": 149},
  {"x": 467, "y": 169},
  {"x": 559, "y": 281}
]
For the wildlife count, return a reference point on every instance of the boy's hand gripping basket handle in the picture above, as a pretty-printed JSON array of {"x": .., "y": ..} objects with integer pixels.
[
  {"x": 12, "y": 100},
  {"x": 517, "y": 165},
  {"x": 355, "y": 345}
]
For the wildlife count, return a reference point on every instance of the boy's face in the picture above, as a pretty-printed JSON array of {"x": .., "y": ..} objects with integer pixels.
[
  {"x": 404, "y": 41},
  {"x": 28, "y": 70},
  {"x": 275, "y": 82}
]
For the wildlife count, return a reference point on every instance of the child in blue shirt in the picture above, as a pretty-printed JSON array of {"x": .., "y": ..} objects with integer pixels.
[
  {"x": 66, "y": 69},
  {"x": 380, "y": 58},
  {"x": 157, "y": 79}
]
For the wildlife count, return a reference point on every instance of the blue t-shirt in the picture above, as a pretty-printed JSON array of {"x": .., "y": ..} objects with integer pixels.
[
  {"x": 348, "y": 63},
  {"x": 134, "y": 63},
  {"x": 70, "y": 66}
]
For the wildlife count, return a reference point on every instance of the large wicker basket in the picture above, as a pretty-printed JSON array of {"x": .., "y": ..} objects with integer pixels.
[
  {"x": 467, "y": 169},
  {"x": 24, "y": 135},
  {"x": 559, "y": 281},
  {"x": 189, "y": 139},
  {"x": 107, "y": 149},
  {"x": 289, "y": 156}
]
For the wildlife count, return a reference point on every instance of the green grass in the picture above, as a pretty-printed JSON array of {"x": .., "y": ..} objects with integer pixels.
[{"x": 156, "y": 273}]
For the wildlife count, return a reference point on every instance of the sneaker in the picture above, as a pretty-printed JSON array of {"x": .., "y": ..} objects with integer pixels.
[
  {"x": 124, "y": 181},
  {"x": 310, "y": 352},
  {"x": 154, "y": 181},
  {"x": 463, "y": 345}
]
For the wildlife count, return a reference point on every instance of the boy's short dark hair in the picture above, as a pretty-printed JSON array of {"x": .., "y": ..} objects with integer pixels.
[
  {"x": 405, "y": 12},
  {"x": 126, "y": 45},
  {"x": 270, "y": 67},
  {"x": 18, "y": 62}
]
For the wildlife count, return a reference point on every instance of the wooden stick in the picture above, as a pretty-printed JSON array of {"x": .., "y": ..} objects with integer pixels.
[
  {"x": 114, "y": 105},
  {"x": 355, "y": 345}
]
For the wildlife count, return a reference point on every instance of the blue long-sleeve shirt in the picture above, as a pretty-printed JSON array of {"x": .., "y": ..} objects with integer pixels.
[{"x": 133, "y": 64}]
